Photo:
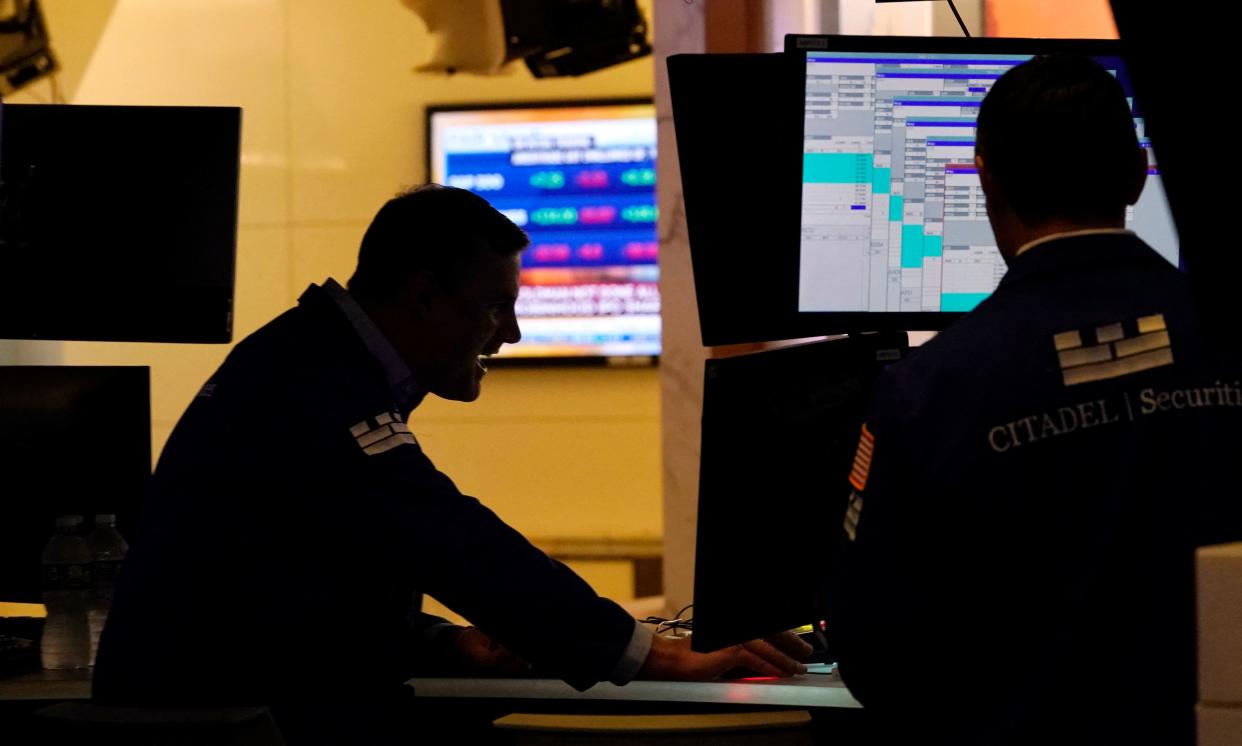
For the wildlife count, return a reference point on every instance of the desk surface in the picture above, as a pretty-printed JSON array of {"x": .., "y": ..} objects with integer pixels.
[{"x": 810, "y": 690}]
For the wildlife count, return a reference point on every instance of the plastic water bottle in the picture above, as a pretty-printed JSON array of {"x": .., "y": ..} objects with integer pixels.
[
  {"x": 107, "y": 548},
  {"x": 66, "y": 593}
]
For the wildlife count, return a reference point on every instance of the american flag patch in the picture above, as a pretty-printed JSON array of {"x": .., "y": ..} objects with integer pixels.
[
  {"x": 862, "y": 460},
  {"x": 852, "y": 514},
  {"x": 382, "y": 433},
  {"x": 1117, "y": 350}
]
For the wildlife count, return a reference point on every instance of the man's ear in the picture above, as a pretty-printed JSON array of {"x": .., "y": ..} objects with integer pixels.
[
  {"x": 1140, "y": 176},
  {"x": 995, "y": 201},
  {"x": 985, "y": 176},
  {"x": 419, "y": 292}
]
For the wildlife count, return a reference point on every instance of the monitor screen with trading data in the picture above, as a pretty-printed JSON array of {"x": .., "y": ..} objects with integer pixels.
[
  {"x": 579, "y": 178},
  {"x": 893, "y": 217}
]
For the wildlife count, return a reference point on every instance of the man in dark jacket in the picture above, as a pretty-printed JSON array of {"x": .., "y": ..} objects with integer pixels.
[
  {"x": 1030, "y": 485},
  {"x": 294, "y": 523}
]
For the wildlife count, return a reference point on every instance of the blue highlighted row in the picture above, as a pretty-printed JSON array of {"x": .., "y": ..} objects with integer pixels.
[
  {"x": 944, "y": 120},
  {"x": 971, "y": 102},
  {"x": 504, "y": 178},
  {"x": 956, "y": 59},
  {"x": 941, "y": 76},
  {"x": 947, "y": 69},
  {"x": 956, "y": 99}
]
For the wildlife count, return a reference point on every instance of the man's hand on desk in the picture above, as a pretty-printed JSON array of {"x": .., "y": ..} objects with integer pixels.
[
  {"x": 672, "y": 658},
  {"x": 475, "y": 650}
]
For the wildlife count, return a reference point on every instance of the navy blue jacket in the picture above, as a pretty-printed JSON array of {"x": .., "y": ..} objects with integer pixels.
[
  {"x": 1026, "y": 499},
  {"x": 292, "y": 524}
]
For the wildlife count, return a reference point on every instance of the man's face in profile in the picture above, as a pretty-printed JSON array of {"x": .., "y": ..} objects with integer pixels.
[{"x": 468, "y": 318}]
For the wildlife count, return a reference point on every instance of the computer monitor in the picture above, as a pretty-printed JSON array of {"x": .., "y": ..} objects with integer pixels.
[
  {"x": 780, "y": 428},
  {"x": 579, "y": 178},
  {"x": 118, "y": 223},
  {"x": 1190, "y": 165},
  {"x": 737, "y": 146},
  {"x": 770, "y": 264},
  {"x": 893, "y": 220},
  {"x": 74, "y": 440}
]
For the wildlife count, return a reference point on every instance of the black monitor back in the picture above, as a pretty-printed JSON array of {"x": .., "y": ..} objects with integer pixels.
[
  {"x": 780, "y": 428},
  {"x": 738, "y": 119},
  {"x": 1190, "y": 162},
  {"x": 118, "y": 222},
  {"x": 73, "y": 441}
]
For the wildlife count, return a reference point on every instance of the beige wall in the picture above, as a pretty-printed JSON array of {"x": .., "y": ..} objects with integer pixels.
[{"x": 332, "y": 127}]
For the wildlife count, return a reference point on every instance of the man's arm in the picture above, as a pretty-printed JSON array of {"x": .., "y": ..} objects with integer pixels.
[
  {"x": 648, "y": 656},
  {"x": 452, "y": 547},
  {"x": 469, "y": 559}
]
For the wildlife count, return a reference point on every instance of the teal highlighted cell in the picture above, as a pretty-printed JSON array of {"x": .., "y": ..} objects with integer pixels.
[
  {"x": 837, "y": 168},
  {"x": 640, "y": 214},
  {"x": 554, "y": 216},
  {"x": 960, "y": 301},
  {"x": 933, "y": 246},
  {"x": 896, "y": 206},
  {"x": 881, "y": 180},
  {"x": 639, "y": 176},
  {"x": 911, "y": 247},
  {"x": 547, "y": 179}
]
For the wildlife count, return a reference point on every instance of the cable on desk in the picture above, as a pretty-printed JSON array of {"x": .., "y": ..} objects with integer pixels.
[{"x": 664, "y": 625}]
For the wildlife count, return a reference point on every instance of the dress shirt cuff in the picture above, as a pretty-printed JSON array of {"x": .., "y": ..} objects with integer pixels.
[{"x": 634, "y": 657}]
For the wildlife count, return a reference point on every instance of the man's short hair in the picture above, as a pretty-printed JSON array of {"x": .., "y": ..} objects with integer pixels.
[
  {"x": 1057, "y": 135},
  {"x": 431, "y": 227}
]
